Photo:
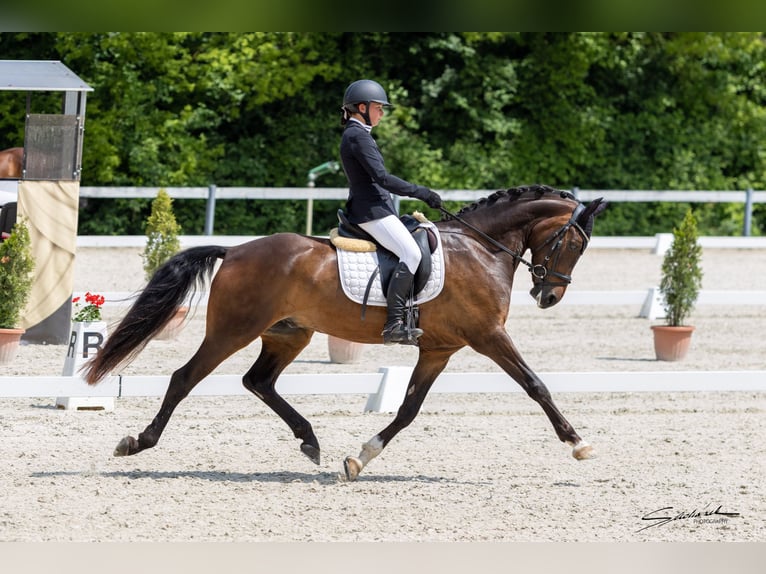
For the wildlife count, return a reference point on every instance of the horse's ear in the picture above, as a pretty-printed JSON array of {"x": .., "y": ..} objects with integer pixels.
[
  {"x": 600, "y": 205},
  {"x": 592, "y": 210}
]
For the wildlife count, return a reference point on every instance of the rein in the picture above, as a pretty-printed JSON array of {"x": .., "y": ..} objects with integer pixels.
[{"x": 538, "y": 271}]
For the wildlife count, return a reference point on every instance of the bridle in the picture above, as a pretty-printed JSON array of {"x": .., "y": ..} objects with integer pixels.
[
  {"x": 539, "y": 271},
  {"x": 556, "y": 240}
]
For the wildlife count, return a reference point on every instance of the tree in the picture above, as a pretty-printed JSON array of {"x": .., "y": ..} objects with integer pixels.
[
  {"x": 473, "y": 111},
  {"x": 162, "y": 231}
]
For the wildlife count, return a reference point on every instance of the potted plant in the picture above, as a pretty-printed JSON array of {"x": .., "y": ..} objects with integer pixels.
[
  {"x": 91, "y": 311},
  {"x": 88, "y": 331},
  {"x": 16, "y": 265},
  {"x": 162, "y": 243},
  {"x": 87, "y": 338},
  {"x": 680, "y": 284},
  {"x": 161, "y": 234}
]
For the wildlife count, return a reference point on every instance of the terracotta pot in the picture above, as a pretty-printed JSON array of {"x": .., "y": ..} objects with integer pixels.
[
  {"x": 671, "y": 343},
  {"x": 342, "y": 351},
  {"x": 174, "y": 326},
  {"x": 9, "y": 344}
]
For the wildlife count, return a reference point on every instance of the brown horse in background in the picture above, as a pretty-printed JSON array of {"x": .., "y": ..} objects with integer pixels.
[
  {"x": 11, "y": 163},
  {"x": 286, "y": 286}
]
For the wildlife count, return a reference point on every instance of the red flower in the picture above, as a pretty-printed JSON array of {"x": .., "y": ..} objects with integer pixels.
[
  {"x": 92, "y": 310},
  {"x": 94, "y": 299}
]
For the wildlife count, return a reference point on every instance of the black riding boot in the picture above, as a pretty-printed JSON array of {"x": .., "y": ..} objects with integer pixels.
[{"x": 396, "y": 329}]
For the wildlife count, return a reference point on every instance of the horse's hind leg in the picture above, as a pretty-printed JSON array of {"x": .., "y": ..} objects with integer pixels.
[
  {"x": 280, "y": 345},
  {"x": 182, "y": 382}
]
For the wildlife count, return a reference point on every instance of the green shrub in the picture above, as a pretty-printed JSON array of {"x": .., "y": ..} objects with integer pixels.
[
  {"x": 16, "y": 266},
  {"x": 681, "y": 272},
  {"x": 161, "y": 234}
]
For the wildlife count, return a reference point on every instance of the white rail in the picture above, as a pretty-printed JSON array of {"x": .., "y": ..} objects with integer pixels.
[
  {"x": 310, "y": 194},
  {"x": 655, "y": 243},
  {"x": 638, "y": 297},
  {"x": 300, "y": 193},
  {"x": 386, "y": 388}
]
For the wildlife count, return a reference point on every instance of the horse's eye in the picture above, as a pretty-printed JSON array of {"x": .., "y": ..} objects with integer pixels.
[{"x": 573, "y": 246}]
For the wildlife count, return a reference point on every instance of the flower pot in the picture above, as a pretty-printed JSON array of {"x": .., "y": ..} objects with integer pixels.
[
  {"x": 342, "y": 351},
  {"x": 9, "y": 344},
  {"x": 174, "y": 326},
  {"x": 671, "y": 343}
]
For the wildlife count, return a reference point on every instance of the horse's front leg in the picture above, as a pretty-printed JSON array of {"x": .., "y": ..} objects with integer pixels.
[
  {"x": 499, "y": 347},
  {"x": 428, "y": 367}
]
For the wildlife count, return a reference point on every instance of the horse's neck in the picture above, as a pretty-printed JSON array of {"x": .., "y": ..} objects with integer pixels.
[
  {"x": 506, "y": 222},
  {"x": 511, "y": 222}
]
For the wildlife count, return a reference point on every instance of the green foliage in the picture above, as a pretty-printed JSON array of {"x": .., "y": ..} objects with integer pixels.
[
  {"x": 16, "y": 266},
  {"x": 681, "y": 272},
  {"x": 474, "y": 110},
  {"x": 161, "y": 234}
]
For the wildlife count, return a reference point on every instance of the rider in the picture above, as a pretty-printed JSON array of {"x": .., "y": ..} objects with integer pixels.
[{"x": 370, "y": 205}]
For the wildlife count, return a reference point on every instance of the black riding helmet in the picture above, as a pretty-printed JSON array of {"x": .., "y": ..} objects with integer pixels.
[{"x": 363, "y": 92}]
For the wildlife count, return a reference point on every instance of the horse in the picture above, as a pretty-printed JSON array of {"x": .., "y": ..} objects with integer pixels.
[
  {"x": 285, "y": 287},
  {"x": 11, "y": 162}
]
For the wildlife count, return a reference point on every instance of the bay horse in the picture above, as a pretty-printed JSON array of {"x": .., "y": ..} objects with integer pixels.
[
  {"x": 11, "y": 162},
  {"x": 285, "y": 287}
]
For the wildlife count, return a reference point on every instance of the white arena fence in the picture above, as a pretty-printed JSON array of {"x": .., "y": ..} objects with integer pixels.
[
  {"x": 386, "y": 388},
  {"x": 658, "y": 244},
  {"x": 746, "y": 197},
  {"x": 647, "y": 301}
]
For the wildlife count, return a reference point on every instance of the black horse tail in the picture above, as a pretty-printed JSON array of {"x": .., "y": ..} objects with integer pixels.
[{"x": 171, "y": 285}]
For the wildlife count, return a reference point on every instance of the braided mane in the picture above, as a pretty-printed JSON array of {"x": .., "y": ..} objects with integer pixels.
[{"x": 512, "y": 194}]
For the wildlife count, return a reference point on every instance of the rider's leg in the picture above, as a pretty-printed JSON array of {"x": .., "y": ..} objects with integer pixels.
[{"x": 394, "y": 236}]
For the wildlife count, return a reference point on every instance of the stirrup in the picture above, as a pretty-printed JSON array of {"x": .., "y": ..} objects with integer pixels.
[{"x": 398, "y": 332}]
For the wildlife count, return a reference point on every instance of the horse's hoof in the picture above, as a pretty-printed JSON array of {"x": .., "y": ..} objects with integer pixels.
[
  {"x": 353, "y": 466},
  {"x": 583, "y": 451},
  {"x": 126, "y": 446},
  {"x": 310, "y": 451}
]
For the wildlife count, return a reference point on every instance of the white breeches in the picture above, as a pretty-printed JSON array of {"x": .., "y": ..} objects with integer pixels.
[{"x": 394, "y": 236}]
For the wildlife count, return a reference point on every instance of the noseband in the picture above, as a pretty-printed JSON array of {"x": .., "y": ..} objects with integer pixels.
[{"x": 539, "y": 271}]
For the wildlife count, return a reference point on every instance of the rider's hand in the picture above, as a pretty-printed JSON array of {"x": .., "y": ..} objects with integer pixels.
[{"x": 433, "y": 199}]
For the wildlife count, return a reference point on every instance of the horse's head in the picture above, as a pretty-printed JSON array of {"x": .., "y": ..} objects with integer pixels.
[
  {"x": 551, "y": 223},
  {"x": 556, "y": 244}
]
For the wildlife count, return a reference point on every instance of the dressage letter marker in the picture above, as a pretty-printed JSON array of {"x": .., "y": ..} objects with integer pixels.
[{"x": 85, "y": 341}]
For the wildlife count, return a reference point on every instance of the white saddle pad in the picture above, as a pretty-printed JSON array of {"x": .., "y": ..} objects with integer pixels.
[{"x": 356, "y": 268}]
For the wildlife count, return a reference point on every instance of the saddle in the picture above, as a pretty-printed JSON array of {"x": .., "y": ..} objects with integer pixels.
[
  {"x": 361, "y": 260},
  {"x": 387, "y": 261}
]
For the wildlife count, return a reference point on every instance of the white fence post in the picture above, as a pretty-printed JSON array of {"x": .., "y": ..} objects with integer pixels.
[
  {"x": 664, "y": 241},
  {"x": 393, "y": 387},
  {"x": 748, "y": 212},
  {"x": 654, "y": 305}
]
